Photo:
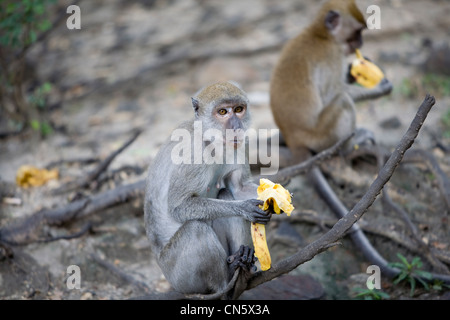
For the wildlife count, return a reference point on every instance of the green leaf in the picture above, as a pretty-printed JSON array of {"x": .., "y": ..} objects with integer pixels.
[
  {"x": 403, "y": 259},
  {"x": 424, "y": 283},
  {"x": 35, "y": 125},
  {"x": 46, "y": 129},
  {"x": 32, "y": 37},
  {"x": 384, "y": 295},
  {"x": 397, "y": 265},
  {"x": 44, "y": 25},
  {"x": 401, "y": 277},
  {"x": 412, "y": 282},
  {"x": 416, "y": 262},
  {"x": 46, "y": 87},
  {"x": 10, "y": 8}
]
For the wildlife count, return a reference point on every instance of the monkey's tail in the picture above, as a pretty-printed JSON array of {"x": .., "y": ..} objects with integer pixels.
[{"x": 356, "y": 234}]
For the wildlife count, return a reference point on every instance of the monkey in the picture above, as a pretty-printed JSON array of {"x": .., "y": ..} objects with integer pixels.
[
  {"x": 197, "y": 214},
  {"x": 311, "y": 102}
]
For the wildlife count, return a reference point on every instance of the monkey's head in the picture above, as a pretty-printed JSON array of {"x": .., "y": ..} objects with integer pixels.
[
  {"x": 344, "y": 22},
  {"x": 223, "y": 106}
]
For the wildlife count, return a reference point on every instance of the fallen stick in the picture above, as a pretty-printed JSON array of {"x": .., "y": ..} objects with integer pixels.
[{"x": 346, "y": 222}]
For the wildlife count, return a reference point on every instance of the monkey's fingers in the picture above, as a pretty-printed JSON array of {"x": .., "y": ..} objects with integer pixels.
[
  {"x": 230, "y": 259},
  {"x": 243, "y": 258},
  {"x": 247, "y": 257},
  {"x": 261, "y": 217}
]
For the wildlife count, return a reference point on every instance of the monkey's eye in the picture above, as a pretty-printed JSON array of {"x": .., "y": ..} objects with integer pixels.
[
  {"x": 222, "y": 112},
  {"x": 239, "y": 109}
]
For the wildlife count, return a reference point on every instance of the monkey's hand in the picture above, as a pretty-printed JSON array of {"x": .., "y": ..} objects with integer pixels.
[
  {"x": 385, "y": 86},
  {"x": 365, "y": 72},
  {"x": 251, "y": 211}
]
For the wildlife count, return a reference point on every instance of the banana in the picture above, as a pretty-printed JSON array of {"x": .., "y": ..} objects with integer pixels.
[
  {"x": 277, "y": 197},
  {"x": 29, "y": 176},
  {"x": 260, "y": 245},
  {"x": 365, "y": 72}
]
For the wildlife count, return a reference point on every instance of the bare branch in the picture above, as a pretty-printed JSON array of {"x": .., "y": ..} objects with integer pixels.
[
  {"x": 102, "y": 166},
  {"x": 26, "y": 231},
  {"x": 358, "y": 210},
  {"x": 291, "y": 171}
]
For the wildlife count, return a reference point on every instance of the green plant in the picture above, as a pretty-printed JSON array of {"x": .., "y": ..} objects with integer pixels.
[
  {"x": 22, "y": 23},
  {"x": 411, "y": 272},
  {"x": 370, "y": 294},
  {"x": 438, "y": 85}
]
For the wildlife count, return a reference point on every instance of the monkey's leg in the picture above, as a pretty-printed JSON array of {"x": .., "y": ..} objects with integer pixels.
[
  {"x": 194, "y": 260},
  {"x": 232, "y": 232},
  {"x": 362, "y": 137}
]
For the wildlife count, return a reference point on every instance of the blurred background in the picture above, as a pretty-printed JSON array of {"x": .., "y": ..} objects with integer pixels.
[{"x": 68, "y": 94}]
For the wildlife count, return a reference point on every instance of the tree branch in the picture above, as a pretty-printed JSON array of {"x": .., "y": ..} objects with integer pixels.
[
  {"x": 358, "y": 210},
  {"x": 102, "y": 166}
]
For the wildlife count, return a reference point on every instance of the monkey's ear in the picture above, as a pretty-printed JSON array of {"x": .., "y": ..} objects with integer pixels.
[
  {"x": 195, "y": 105},
  {"x": 332, "y": 20}
]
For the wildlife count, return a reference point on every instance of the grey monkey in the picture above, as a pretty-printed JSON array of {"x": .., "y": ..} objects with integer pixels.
[{"x": 197, "y": 215}]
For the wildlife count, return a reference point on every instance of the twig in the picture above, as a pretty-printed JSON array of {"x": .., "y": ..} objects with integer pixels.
[
  {"x": 26, "y": 231},
  {"x": 122, "y": 275},
  {"x": 401, "y": 239},
  {"x": 102, "y": 166},
  {"x": 83, "y": 161},
  {"x": 358, "y": 210},
  {"x": 412, "y": 155},
  {"x": 291, "y": 171},
  {"x": 415, "y": 155},
  {"x": 423, "y": 248},
  {"x": 87, "y": 227}
]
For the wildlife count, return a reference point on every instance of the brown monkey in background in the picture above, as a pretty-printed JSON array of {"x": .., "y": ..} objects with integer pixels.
[
  {"x": 311, "y": 103},
  {"x": 197, "y": 214}
]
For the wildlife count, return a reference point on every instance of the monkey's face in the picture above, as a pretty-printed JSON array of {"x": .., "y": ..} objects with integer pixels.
[
  {"x": 354, "y": 41},
  {"x": 346, "y": 30},
  {"x": 232, "y": 119}
]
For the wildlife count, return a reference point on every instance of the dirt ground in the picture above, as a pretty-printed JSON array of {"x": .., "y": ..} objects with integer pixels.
[{"x": 135, "y": 64}]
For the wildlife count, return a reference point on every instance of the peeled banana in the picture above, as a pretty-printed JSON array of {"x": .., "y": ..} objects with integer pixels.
[
  {"x": 30, "y": 176},
  {"x": 365, "y": 72},
  {"x": 277, "y": 197}
]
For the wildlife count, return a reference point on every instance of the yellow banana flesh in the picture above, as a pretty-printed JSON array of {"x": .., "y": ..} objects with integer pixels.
[
  {"x": 277, "y": 197},
  {"x": 260, "y": 245},
  {"x": 365, "y": 72},
  {"x": 30, "y": 176}
]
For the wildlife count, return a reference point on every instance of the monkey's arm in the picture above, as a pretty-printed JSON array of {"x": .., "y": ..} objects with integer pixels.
[
  {"x": 358, "y": 93},
  {"x": 240, "y": 184},
  {"x": 201, "y": 208}
]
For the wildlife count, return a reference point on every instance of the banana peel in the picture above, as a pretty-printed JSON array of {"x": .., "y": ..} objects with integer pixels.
[
  {"x": 278, "y": 198},
  {"x": 365, "y": 72},
  {"x": 29, "y": 176}
]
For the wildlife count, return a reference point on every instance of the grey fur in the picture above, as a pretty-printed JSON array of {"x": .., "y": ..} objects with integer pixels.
[{"x": 197, "y": 215}]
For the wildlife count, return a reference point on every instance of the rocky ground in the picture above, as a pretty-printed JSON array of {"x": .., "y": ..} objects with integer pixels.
[{"x": 135, "y": 64}]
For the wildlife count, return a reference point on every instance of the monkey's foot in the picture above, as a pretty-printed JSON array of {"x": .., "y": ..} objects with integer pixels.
[
  {"x": 363, "y": 137},
  {"x": 244, "y": 258}
]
